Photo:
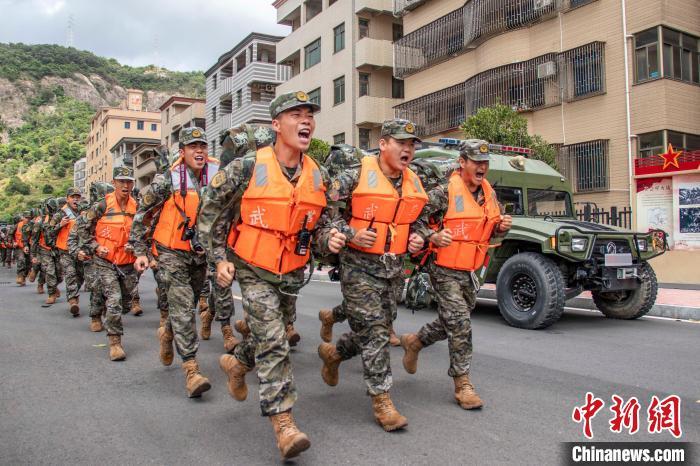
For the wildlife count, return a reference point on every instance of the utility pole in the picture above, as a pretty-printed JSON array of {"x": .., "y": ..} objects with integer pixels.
[{"x": 69, "y": 31}]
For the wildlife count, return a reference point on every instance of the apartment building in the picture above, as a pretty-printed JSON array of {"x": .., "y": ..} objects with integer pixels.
[
  {"x": 340, "y": 54},
  {"x": 180, "y": 112},
  {"x": 79, "y": 174},
  {"x": 140, "y": 153},
  {"x": 562, "y": 64},
  {"x": 109, "y": 125},
  {"x": 241, "y": 85}
]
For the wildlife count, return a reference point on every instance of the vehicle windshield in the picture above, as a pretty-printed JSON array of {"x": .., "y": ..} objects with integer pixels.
[
  {"x": 511, "y": 199},
  {"x": 541, "y": 202}
]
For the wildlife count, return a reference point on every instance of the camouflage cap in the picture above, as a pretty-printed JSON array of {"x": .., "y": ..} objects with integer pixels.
[
  {"x": 342, "y": 157},
  {"x": 238, "y": 141},
  {"x": 398, "y": 128},
  {"x": 191, "y": 135},
  {"x": 291, "y": 100},
  {"x": 98, "y": 190},
  {"x": 474, "y": 149},
  {"x": 73, "y": 191},
  {"x": 83, "y": 205},
  {"x": 27, "y": 213},
  {"x": 123, "y": 173}
]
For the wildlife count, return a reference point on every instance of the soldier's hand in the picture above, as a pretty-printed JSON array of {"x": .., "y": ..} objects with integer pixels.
[
  {"x": 26, "y": 249},
  {"x": 82, "y": 256},
  {"x": 153, "y": 264},
  {"x": 415, "y": 243},
  {"x": 442, "y": 238},
  {"x": 224, "y": 273},
  {"x": 364, "y": 238},
  {"x": 336, "y": 241},
  {"x": 64, "y": 221},
  {"x": 506, "y": 223},
  {"x": 35, "y": 260},
  {"x": 102, "y": 251},
  {"x": 141, "y": 264}
]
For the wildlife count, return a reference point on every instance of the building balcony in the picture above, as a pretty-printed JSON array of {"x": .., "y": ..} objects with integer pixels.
[
  {"x": 374, "y": 110},
  {"x": 375, "y": 53},
  {"x": 256, "y": 71},
  {"x": 288, "y": 11},
  {"x": 250, "y": 112},
  {"x": 374, "y": 6},
  {"x": 401, "y": 7}
]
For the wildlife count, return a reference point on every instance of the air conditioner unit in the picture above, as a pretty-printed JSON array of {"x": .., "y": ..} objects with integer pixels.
[
  {"x": 546, "y": 69},
  {"x": 543, "y": 4}
]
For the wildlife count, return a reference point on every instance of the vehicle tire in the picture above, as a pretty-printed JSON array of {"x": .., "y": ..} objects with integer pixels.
[
  {"x": 530, "y": 291},
  {"x": 629, "y": 304}
]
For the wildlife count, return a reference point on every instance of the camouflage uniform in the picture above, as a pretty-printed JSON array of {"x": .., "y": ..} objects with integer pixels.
[
  {"x": 115, "y": 284},
  {"x": 47, "y": 260},
  {"x": 454, "y": 290},
  {"x": 269, "y": 299},
  {"x": 368, "y": 281},
  {"x": 72, "y": 268},
  {"x": 21, "y": 257}
]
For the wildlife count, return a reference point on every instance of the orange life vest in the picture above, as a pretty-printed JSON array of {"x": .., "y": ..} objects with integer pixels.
[
  {"x": 232, "y": 236},
  {"x": 18, "y": 233},
  {"x": 171, "y": 222},
  {"x": 471, "y": 224},
  {"x": 273, "y": 211},
  {"x": 113, "y": 228},
  {"x": 62, "y": 237},
  {"x": 42, "y": 240},
  {"x": 375, "y": 197}
]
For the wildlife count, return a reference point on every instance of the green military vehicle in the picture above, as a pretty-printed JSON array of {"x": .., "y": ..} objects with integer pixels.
[{"x": 549, "y": 256}]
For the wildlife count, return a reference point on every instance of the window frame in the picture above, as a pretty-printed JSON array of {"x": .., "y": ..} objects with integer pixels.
[
  {"x": 308, "y": 50},
  {"x": 360, "y": 84},
  {"x": 127, "y": 125},
  {"x": 140, "y": 125},
  {"x": 339, "y": 138},
  {"x": 363, "y": 31},
  {"x": 339, "y": 83},
  {"x": 336, "y": 35},
  {"x": 312, "y": 97}
]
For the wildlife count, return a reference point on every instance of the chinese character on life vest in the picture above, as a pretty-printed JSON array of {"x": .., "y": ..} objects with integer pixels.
[
  {"x": 256, "y": 218},
  {"x": 587, "y": 412},
  {"x": 106, "y": 233},
  {"x": 369, "y": 212},
  {"x": 626, "y": 416},
  {"x": 665, "y": 415}
]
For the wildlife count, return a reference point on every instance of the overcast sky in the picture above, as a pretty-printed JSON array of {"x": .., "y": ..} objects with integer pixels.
[{"x": 190, "y": 35}]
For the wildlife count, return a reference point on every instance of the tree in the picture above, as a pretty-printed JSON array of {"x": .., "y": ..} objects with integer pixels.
[
  {"x": 319, "y": 150},
  {"x": 500, "y": 124},
  {"x": 47, "y": 189},
  {"x": 17, "y": 186}
]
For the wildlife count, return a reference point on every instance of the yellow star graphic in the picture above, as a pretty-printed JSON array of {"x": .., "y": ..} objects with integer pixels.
[{"x": 670, "y": 157}]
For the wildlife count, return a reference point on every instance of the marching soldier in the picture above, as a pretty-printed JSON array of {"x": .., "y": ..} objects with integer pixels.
[
  {"x": 42, "y": 242},
  {"x": 175, "y": 198},
  {"x": 103, "y": 237},
  {"x": 279, "y": 195},
  {"x": 469, "y": 215},
  {"x": 22, "y": 249},
  {"x": 64, "y": 220},
  {"x": 35, "y": 270},
  {"x": 383, "y": 199}
]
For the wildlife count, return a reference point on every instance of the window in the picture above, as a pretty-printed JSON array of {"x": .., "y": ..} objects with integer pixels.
[
  {"x": 167, "y": 115},
  {"x": 542, "y": 202},
  {"x": 239, "y": 98},
  {"x": 213, "y": 114},
  {"x": 396, "y": 31},
  {"x": 364, "y": 138},
  {"x": 312, "y": 54},
  {"x": 331, "y": 2},
  {"x": 364, "y": 28},
  {"x": 587, "y": 68},
  {"x": 396, "y": 88},
  {"x": 586, "y": 164},
  {"x": 651, "y": 144},
  {"x": 139, "y": 124},
  {"x": 154, "y": 127},
  {"x": 339, "y": 138},
  {"x": 511, "y": 199},
  {"x": 339, "y": 90},
  {"x": 339, "y": 38},
  {"x": 315, "y": 96},
  {"x": 646, "y": 55},
  {"x": 215, "y": 80},
  {"x": 127, "y": 125},
  {"x": 680, "y": 55},
  {"x": 364, "y": 84}
]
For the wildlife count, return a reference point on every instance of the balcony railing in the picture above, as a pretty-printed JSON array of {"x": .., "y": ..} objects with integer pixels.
[
  {"x": 536, "y": 83},
  {"x": 467, "y": 27},
  {"x": 401, "y": 7}
]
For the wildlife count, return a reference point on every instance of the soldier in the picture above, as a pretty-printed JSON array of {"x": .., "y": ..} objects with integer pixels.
[
  {"x": 35, "y": 270},
  {"x": 469, "y": 215},
  {"x": 103, "y": 237},
  {"x": 63, "y": 222},
  {"x": 383, "y": 198},
  {"x": 4, "y": 248},
  {"x": 22, "y": 249},
  {"x": 278, "y": 195},
  {"x": 175, "y": 198},
  {"x": 43, "y": 245},
  {"x": 235, "y": 143}
]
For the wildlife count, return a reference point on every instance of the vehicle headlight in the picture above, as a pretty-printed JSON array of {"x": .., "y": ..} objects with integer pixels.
[
  {"x": 579, "y": 244},
  {"x": 642, "y": 244}
]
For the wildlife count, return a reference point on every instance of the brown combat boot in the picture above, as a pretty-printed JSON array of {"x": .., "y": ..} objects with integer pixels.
[
  {"x": 96, "y": 324},
  {"x": 21, "y": 281},
  {"x": 32, "y": 275},
  {"x": 74, "y": 308},
  {"x": 51, "y": 299},
  {"x": 293, "y": 336},
  {"x": 206, "y": 318},
  {"x": 465, "y": 394},
  {"x": 40, "y": 289},
  {"x": 230, "y": 341},
  {"x": 235, "y": 370},
  {"x": 327, "y": 321},
  {"x": 195, "y": 382},
  {"x": 386, "y": 414},
  {"x": 411, "y": 345},
  {"x": 163, "y": 317},
  {"x": 203, "y": 304},
  {"x": 58, "y": 293},
  {"x": 166, "y": 345},
  {"x": 241, "y": 327},
  {"x": 116, "y": 352},
  {"x": 136, "y": 307},
  {"x": 290, "y": 440},
  {"x": 331, "y": 362},
  {"x": 393, "y": 339}
]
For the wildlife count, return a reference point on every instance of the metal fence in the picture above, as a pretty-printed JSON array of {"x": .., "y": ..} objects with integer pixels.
[
  {"x": 467, "y": 27},
  {"x": 614, "y": 217}
]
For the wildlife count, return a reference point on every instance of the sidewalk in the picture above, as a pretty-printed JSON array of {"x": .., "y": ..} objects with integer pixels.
[{"x": 670, "y": 302}]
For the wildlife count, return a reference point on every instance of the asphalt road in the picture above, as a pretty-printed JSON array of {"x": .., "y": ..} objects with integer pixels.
[{"x": 63, "y": 402}]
